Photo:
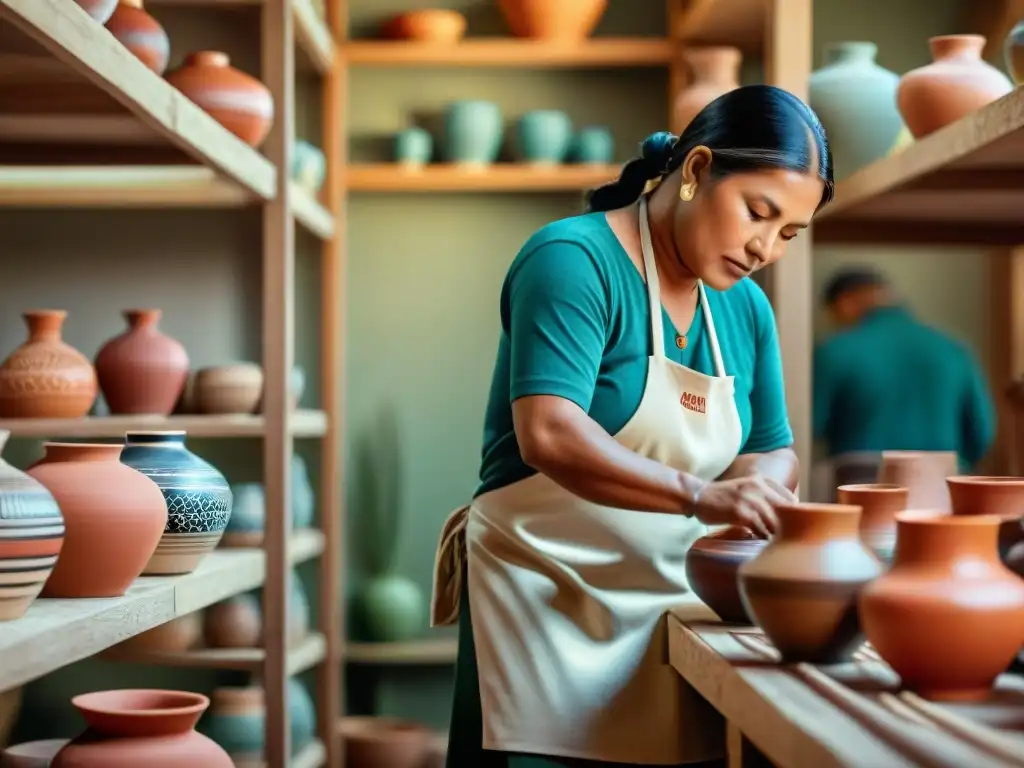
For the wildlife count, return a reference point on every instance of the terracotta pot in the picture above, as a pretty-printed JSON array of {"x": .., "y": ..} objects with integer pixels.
[
  {"x": 879, "y": 504},
  {"x": 142, "y": 371},
  {"x": 99, "y": 10},
  {"x": 923, "y": 474},
  {"x": 234, "y": 623},
  {"x": 240, "y": 103},
  {"x": 712, "y": 565},
  {"x": 134, "y": 728},
  {"x": 176, "y": 636},
  {"x": 228, "y": 388},
  {"x": 141, "y": 34},
  {"x": 948, "y": 617},
  {"x": 384, "y": 742},
  {"x": 1002, "y": 497},
  {"x": 237, "y": 721},
  {"x": 114, "y": 517},
  {"x": 956, "y": 83},
  {"x": 713, "y": 72},
  {"x": 430, "y": 25},
  {"x": 32, "y": 754},
  {"x": 31, "y": 535},
  {"x": 198, "y": 499},
  {"x": 45, "y": 378},
  {"x": 802, "y": 589},
  {"x": 562, "y": 20}
]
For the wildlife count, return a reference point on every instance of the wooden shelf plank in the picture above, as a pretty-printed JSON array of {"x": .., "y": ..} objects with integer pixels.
[
  {"x": 117, "y": 187},
  {"x": 428, "y": 651},
  {"x": 72, "y": 37},
  {"x": 305, "y": 654},
  {"x": 963, "y": 181},
  {"x": 512, "y": 52},
  {"x": 391, "y": 177},
  {"x": 312, "y": 756},
  {"x": 313, "y": 35},
  {"x": 310, "y": 213},
  {"x": 55, "y": 633},
  {"x": 305, "y": 423},
  {"x": 741, "y": 23}
]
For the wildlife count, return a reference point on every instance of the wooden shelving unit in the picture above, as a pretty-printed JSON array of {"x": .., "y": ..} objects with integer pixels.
[
  {"x": 415, "y": 652},
  {"x": 509, "y": 52},
  {"x": 389, "y": 177},
  {"x": 131, "y": 140}
]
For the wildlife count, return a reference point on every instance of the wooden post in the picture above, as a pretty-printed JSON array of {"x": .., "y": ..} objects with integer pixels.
[
  {"x": 278, "y": 354},
  {"x": 788, "y": 56}
]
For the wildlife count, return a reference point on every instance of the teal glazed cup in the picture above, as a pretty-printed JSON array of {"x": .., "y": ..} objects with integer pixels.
[
  {"x": 543, "y": 137},
  {"x": 473, "y": 133},
  {"x": 413, "y": 147},
  {"x": 593, "y": 145}
]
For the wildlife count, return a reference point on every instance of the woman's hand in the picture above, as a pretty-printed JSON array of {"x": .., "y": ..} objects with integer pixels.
[{"x": 748, "y": 502}]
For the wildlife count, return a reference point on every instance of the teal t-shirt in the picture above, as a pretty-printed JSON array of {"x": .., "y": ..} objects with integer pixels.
[
  {"x": 893, "y": 383},
  {"x": 575, "y": 324}
]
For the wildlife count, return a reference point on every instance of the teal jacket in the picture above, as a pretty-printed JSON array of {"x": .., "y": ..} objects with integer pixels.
[{"x": 894, "y": 383}]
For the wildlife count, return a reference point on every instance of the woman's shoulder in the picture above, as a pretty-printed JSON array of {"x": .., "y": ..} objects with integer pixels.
[{"x": 571, "y": 248}]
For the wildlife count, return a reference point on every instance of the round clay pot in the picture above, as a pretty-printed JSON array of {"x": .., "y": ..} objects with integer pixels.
[
  {"x": 1002, "y": 497},
  {"x": 923, "y": 474},
  {"x": 32, "y": 754},
  {"x": 948, "y": 617},
  {"x": 566, "y": 20},
  {"x": 99, "y": 10},
  {"x": 712, "y": 565},
  {"x": 134, "y": 728},
  {"x": 198, "y": 499},
  {"x": 430, "y": 25},
  {"x": 234, "y": 623},
  {"x": 956, "y": 83},
  {"x": 228, "y": 388},
  {"x": 245, "y": 528},
  {"x": 31, "y": 535},
  {"x": 237, "y": 722},
  {"x": 802, "y": 589},
  {"x": 141, "y": 34},
  {"x": 176, "y": 636},
  {"x": 142, "y": 371},
  {"x": 240, "y": 103},
  {"x": 713, "y": 71},
  {"x": 114, "y": 518},
  {"x": 879, "y": 504},
  {"x": 384, "y": 742},
  {"x": 45, "y": 378}
]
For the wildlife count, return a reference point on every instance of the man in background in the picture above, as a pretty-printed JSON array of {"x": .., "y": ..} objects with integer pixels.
[{"x": 886, "y": 381}]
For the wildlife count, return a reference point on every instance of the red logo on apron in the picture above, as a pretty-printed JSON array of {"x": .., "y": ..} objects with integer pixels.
[{"x": 693, "y": 402}]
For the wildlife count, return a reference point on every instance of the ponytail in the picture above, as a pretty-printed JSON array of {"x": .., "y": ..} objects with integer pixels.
[{"x": 655, "y": 157}]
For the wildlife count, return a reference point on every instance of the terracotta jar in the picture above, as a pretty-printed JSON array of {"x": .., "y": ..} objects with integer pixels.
[
  {"x": 177, "y": 636},
  {"x": 135, "y": 728},
  {"x": 239, "y": 102},
  {"x": 142, "y": 371},
  {"x": 802, "y": 589},
  {"x": 879, "y": 504},
  {"x": 141, "y": 34},
  {"x": 712, "y": 565},
  {"x": 99, "y": 10},
  {"x": 1002, "y": 497},
  {"x": 956, "y": 83},
  {"x": 565, "y": 20},
  {"x": 384, "y": 742},
  {"x": 713, "y": 72},
  {"x": 234, "y": 623},
  {"x": 235, "y": 388},
  {"x": 45, "y": 378},
  {"x": 198, "y": 499},
  {"x": 923, "y": 474},
  {"x": 31, "y": 535},
  {"x": 948, "y": 617},
  {"x": 114, "y": 517}
]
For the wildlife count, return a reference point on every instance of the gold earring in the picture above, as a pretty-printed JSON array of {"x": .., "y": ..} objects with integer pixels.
[{"x": 686, "y": 192}]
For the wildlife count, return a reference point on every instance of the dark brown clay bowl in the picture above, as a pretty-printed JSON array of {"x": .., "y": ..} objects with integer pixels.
[{"x": 712, "y": 567}]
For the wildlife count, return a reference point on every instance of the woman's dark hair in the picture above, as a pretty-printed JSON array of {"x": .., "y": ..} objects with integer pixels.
[{"x": 752, "y": 128}]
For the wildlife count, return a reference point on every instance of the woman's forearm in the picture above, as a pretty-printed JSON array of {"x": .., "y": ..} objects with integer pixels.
[
  {"x": 782, "y": 466},
  {"x": 558, "y": 438}
]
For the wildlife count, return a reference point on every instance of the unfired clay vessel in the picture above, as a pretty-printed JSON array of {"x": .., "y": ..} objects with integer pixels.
[
  {"x": 1002, "y": 497},
  {"x": 565, "y": 20},
  {"x": 923, "y": 474},
  {"x": 45, "y": 378},
  {"x": 384, "y": 742},
  {"x": 239, "y": 102},
  {"x": 948, "y": 617},
  {"x": 956, "y": 83},
  {"x": 713, "y": 72},
  {"x": 233, "y": 388},
  {"x": 802, "y": 589},
  {"x": 141, "y": 34},
  {"x": 142, "y": 371},
  {"x": 113, "y": 514},
  {"x": 879, "y": 504},
  {"x": 712, "y": 567}
]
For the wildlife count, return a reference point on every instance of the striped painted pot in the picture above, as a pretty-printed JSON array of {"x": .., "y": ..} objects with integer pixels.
[{"x": 31, "y": 535}]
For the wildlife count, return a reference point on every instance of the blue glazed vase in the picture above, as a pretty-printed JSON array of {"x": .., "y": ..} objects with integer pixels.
[
  {"x": 248, "y": 516},
  {"x": 198, "y": 499},
  {"x": 543, "y": 137},
  {"x": 593, "y": 145},
  {"x": 303, "y": 715},
  {"x": 473, "y": 132},
  {"x": 303, "y": 495},
  {"x": 413, "y": 147}
]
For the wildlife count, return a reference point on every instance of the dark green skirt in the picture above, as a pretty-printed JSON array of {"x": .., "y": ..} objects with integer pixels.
[{"x": 465, "y": 736}]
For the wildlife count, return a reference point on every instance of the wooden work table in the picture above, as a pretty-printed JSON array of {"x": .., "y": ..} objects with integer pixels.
[{"x": 847, "y": 716}]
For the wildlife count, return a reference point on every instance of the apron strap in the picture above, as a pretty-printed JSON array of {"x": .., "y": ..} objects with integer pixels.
[
  {"x": 716, "y": 350},
  {"x": 653, "y": 285}
]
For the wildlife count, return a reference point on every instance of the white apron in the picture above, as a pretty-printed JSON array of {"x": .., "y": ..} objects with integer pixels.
[{"x": 568, "y": 598}]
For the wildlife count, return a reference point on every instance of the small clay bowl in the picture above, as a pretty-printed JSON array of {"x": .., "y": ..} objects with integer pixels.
[
  {"x": 385, "y": 742},
  {"x": 430, "y": 25},
  {"x": 226, "y": 389}
]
